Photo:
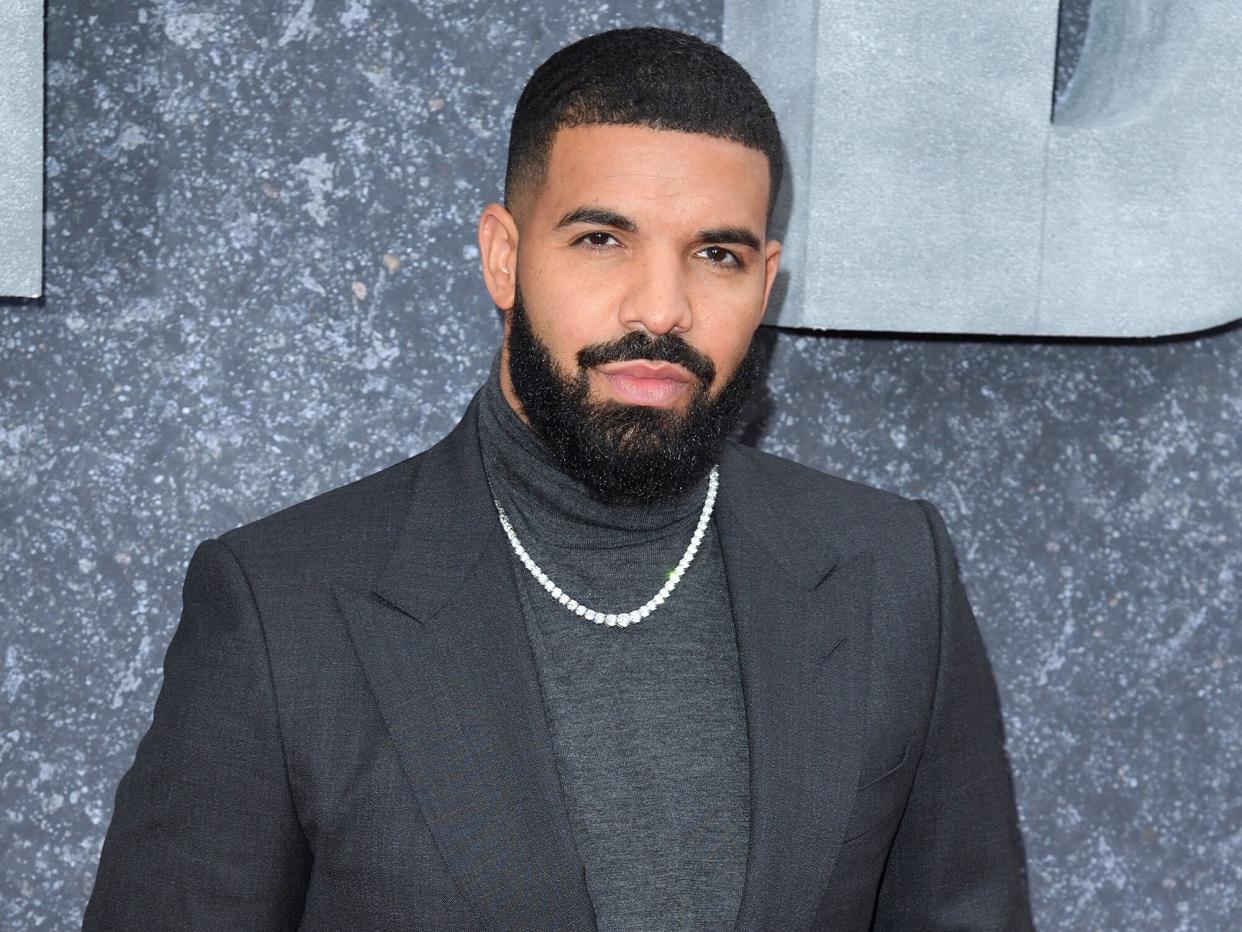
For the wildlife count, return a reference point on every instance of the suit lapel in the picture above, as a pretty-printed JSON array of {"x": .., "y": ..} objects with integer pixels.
[
  {"x": 444, "y": 647},
  {"x": 800, "y": 611}
]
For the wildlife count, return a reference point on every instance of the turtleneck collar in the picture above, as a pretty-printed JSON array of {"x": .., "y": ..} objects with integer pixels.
[{"x": 552, "y": 506}]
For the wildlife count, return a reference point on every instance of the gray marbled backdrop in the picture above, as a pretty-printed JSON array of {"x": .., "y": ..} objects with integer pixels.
[{"x": 262, "y": 283}]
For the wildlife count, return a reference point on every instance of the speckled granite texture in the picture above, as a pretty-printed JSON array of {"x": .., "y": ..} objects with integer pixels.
[{"x": 262, "y": 283}]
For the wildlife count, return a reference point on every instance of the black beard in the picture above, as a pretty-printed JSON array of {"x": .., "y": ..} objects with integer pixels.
[{"x": 626, "y": 453}]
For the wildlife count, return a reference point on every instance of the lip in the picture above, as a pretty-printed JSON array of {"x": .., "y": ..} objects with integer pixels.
[
  {"x": 658, "y": 385},
  {"x": 640, "y": 369}
]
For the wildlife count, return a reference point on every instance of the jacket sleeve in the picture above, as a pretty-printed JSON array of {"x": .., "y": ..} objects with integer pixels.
[
  {"x": 957, "y": 861},
  {"x": 204, "y": 834}
]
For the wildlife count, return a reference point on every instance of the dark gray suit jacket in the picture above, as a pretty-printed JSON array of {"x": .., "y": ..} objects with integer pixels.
[{"x": 350, "y": 733}]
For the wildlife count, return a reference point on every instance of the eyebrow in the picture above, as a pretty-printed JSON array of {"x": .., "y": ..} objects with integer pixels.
[
  {"x": 732, "y": 235},
  {"x": 602, "y": 216}
]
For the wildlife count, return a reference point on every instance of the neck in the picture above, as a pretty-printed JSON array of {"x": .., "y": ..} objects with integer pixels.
[{"x": 544, "y": 501}]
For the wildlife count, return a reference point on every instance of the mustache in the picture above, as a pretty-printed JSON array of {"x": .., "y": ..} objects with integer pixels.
[{"x": 637, "y": 346}]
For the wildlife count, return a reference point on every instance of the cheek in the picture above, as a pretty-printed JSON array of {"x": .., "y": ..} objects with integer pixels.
[
  {"x": 725, "y": 331},
  {"x": 725, "y": 369},
  {"x": 567, "y": 329},
  {"x": 568, "y": 317},
  {"x": 729, "y": 306},
  {"x": 563, "y": 330}
]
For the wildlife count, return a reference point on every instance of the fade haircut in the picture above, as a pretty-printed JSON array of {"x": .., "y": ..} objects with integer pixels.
[{"x": 644, "y": 76}]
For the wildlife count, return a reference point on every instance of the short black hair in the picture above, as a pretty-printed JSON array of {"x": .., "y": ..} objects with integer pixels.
[{"x": 645, "y": 76}]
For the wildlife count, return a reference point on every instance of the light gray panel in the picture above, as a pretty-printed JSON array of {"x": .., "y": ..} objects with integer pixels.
[
  {"x": 21, "y": 148},
  {"x": 791, "y": 94},
  {"x": 1144, "y": 185},
  {"x": 937, "y": 195},
  {"x": 918, "y": 196}
]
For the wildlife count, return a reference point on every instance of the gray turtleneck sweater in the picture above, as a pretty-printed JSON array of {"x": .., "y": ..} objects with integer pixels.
[{"x": 647, "y": 721}]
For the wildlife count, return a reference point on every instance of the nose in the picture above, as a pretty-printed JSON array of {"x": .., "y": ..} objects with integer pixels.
[{"x": 658, "y": 297}]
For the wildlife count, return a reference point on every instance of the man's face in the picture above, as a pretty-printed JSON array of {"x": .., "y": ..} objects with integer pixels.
[{"x": 632, "y": 297}]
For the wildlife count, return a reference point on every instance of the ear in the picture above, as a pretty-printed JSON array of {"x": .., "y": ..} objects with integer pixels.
[
  {"x": 498, "y": 242},
  {"x": 771, "y": 265}
]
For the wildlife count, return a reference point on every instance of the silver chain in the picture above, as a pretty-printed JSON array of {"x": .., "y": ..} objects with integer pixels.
[{"x": 620, "y": 619}]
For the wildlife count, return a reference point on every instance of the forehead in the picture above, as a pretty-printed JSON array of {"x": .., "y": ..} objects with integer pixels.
[{"x": 634, "y": 168}]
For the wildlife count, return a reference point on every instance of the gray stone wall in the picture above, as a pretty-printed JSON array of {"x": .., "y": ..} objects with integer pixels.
[{"x": 261, "y": 283}]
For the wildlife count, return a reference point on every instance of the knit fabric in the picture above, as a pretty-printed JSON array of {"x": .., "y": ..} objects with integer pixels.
[{"x": 647, "y": 722}]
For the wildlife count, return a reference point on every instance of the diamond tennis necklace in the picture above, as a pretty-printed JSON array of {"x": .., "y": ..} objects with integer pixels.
[{"x": 621, "y": 619}]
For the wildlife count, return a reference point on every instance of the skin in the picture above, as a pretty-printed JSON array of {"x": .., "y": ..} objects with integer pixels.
[{"x": 648, "y": 266}]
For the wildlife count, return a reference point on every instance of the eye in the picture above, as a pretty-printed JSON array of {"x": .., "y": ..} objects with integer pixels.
[
  {"x": 598, "y": 239},
  {"x": 718, "y": 255}
]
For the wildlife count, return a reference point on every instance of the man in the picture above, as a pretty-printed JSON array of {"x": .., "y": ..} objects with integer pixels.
[{"x": 586, "y": 663}]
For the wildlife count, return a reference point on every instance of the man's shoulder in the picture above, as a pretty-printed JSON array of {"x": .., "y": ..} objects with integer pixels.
[
  {"x": 828, "y": 494},
  {"x": 896, "y": 532},
  {"x": 350, "y": 524}
]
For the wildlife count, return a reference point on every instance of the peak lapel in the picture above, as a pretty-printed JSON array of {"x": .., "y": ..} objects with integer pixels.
[
  {"x": 801, "y": 616},
  {"x": 445, "y": 650}
]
